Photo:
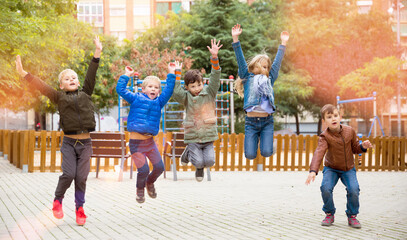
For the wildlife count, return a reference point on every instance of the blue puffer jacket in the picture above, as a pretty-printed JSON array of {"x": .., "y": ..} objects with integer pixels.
[
  {"x": 145, "y": 114},
  {"x": 247, "y": 77}
]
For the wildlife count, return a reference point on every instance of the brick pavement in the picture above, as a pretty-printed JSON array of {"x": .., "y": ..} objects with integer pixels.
[{"x": 234, "y": 205}]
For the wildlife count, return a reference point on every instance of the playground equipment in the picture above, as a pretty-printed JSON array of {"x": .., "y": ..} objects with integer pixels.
[
  {"x": 173, "y": 113},
  {"x": 375, "y": 118}
]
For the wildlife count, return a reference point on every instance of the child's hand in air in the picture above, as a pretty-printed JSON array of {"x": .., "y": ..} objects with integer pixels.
[
  {"x": 236, "y": 31},
  {"x": 214, "y": 49},
  {"x": 284, "y": 37}
]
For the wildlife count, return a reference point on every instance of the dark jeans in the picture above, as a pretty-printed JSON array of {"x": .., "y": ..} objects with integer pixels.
[
  {"x": 258, "y": 128},
  {"x": 140, "y": 149},
  {"x": 76, "y": 154},
  {"x": 329, "y": 181}
]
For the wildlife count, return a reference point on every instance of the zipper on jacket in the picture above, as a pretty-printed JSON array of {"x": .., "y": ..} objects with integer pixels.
[
  {"x": 344, "y": 151},
  {"x": 77, "y": 109}
]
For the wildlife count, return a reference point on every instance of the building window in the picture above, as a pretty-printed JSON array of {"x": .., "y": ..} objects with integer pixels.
[
  {"x": 117, "y": 10},
  {"x": 141, "y": 10},
  {"x": 364, "y": 6},
  {"x": 91, "y": 13},
  {"x": 164, "y": 7}
]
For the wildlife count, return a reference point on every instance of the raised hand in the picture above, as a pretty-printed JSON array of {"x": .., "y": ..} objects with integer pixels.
[
  {"x": 284, "y": 37},
  {"x": 174, "y": 65},
  {"x": 128, "y": 71},
  {"x": 19, "y": 67},
  {"x": 99, "y": 47},
  {"x": 236, "y": 31},
  {"x": 214, "y": 49}
]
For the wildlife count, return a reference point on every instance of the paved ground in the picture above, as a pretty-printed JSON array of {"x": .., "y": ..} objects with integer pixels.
[{"x": 234, "y": 205}]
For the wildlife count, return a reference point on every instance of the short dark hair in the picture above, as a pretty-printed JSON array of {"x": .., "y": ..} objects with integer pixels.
[
  {"x": 327, "y": 108},
  {"x": 192, "y": 76}
]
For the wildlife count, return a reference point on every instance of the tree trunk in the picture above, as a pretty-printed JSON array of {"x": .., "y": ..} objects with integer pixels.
[
  {"x": 99, "y": 121},
  {"x": 297, "y": 123}
]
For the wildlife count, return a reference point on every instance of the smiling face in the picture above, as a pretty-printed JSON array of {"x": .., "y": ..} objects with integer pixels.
[
  {"x": 151, "y": 87},
  {"x": 195, "y": 88},
  {"x": 332, "y": 120},
  {"x": 68, "y": 80}
]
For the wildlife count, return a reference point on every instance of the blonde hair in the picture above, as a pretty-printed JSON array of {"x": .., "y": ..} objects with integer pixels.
[
  {"x": 149, "y": 79},
  {"x": 64, "y": 72},
  {"x": 253, "y": 63}
]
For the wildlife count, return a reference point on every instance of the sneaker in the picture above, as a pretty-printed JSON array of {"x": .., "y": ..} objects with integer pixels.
[
  {"x": 151, "y": 190},
  {"x": 184, "y": 159},
  {"x": 199, "y": 174},
  {"x": 57, "y": 209},
  {"x": 329, "y": 219},
  {"x": 80, "y": 216},
  {"x": 353, "y": 222},
  {"x": 140, "y": 195}
]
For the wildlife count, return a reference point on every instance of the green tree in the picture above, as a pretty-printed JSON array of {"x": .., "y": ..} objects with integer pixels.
[{"x": 331, "y": 39}]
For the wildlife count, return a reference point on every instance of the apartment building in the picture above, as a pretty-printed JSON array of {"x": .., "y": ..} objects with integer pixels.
[{"x": 126, "y": 18}]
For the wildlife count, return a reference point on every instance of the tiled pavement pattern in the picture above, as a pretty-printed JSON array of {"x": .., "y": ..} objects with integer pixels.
[{"x": 234, "y": 205}]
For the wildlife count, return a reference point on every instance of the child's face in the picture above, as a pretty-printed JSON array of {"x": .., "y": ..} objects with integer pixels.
[
  {"x": 195, "y": 88},
  {"x": 152, "y": 89},
  {"x": 69, "y": 82},
  {"x": 333, "y": 120},
  {"x": 262, "y": 67}
]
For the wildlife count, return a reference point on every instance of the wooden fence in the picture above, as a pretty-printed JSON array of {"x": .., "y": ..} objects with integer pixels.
[{"x": 40, "y": 151}]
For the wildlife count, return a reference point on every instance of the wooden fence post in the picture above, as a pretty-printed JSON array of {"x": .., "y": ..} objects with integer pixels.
[
  {"x": 6, "y": 144},
  {"x": 293, "y": 151},
  {"x": 403, "y": 154},
  {"x": 232, "y": 151},
  {"x": 24, "y": 151},
  {"x": 300, "y": 150},
  {"x": 53, "y": 150},
  {"x": 286, "y": 149},
  {"x": 240, "y": 142},
  {"x": 43, "y": 150},
  {"x": 279, "y": 150},
  {"x": 1, "y": 142},
  {"x": 31, "y": 146},
  {"x": 225, "y": 151},
  {"x": 14, "y": 144},
  {"x": 217, "y": 153}
]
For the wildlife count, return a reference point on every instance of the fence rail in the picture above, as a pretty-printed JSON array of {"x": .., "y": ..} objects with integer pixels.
[{"x": 40, "y": 151}]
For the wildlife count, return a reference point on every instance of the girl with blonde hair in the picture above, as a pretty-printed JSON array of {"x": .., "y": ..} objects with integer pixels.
[{"x": 255, "y": 83}]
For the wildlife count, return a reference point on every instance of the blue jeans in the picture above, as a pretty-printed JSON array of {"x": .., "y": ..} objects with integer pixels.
[
  {"x": 329, "y": 181},
  {"x": 258, "y": 128},
  {"x": 140, "y": 149}
]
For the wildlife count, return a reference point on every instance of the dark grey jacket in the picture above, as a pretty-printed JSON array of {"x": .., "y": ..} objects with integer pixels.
[{"x": 76, "y": 110}]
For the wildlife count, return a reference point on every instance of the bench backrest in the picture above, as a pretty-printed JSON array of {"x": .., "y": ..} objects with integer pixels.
[
  {"x": 178, "y": 144},
  {"x": 106, "y": 144}
]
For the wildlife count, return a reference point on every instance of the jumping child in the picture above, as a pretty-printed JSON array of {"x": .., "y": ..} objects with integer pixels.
[
  {"x": 77, "y": 120},
  {"x": 200, "y": 119},
  {"x": 144, "y": 122},
  {"x": 255, "y": 84}
]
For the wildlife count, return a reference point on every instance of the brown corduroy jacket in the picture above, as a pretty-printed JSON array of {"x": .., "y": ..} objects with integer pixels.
[{"x": 341, "y": 148}]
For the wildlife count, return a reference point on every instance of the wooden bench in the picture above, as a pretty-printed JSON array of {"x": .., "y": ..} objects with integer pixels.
[
  {"x": 110, "y": 145},
  {"x": 173, "y": 150}
]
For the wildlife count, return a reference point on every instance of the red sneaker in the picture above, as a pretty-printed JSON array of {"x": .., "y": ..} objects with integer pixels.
[
  {"x": 353, "y": 222},
  {"x": 80, "y": 216},
  {"x": 329, "y": 219},
  {"x": 57, "y": 209}
]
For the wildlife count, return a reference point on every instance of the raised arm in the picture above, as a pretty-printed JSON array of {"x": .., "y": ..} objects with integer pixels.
[
  {"x": 241, "y": 62},
  {"x": 122, "y": 84},
  {"x": 279, "y": 57},
  {"x": 37, "y": 83},
  {"x": 214, "y": 79},
  {"x": 174, "y": 73},
  {"x": 90, "y": 79}
]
